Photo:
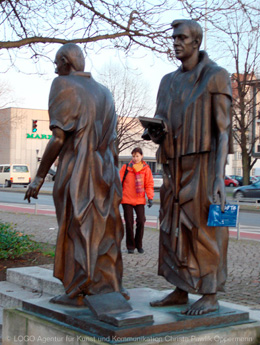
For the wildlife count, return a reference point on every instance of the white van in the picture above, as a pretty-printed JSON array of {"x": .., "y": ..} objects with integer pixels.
[{"x": 14, "y": 174}]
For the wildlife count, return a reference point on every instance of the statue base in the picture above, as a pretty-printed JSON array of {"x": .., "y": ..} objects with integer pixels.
[
  {"x": 40, "y": 318},
  {"x": 115, "y": 310}
]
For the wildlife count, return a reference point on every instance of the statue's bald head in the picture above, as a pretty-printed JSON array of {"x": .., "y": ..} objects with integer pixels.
[
  {"x": 193, "y": 26},
  {"x": 72, "y": 54}
]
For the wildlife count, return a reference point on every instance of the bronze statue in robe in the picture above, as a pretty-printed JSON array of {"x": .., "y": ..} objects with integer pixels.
[
  {"x": 194, "y": 103},
  {"x": 87, "y": 189}
]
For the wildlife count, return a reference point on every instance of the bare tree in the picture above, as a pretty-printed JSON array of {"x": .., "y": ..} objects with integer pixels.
[
  {"x": 244, "y": 117},
  {"x": 125, "y": 25},
  {"x": 6, "y": 99},
  {"x": 6, "y": 94},
  {"x": 131, "y": 96},
  {"x": 231, "y": 27},
  {"x": 242, "y": 44}
]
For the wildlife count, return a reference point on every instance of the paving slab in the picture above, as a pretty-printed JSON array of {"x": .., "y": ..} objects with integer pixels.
[
  {"x": 37, "y": 278},
  {"x": 12, "y": 295}
]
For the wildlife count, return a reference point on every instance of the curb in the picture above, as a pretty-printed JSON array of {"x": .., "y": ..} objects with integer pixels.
[
  {"x": 247, "y": 207},
  {"x": 23, "y": 190}
]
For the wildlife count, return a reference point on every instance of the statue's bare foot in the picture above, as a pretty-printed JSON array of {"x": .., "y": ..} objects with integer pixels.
[
  {"x": 125, "y": 294},
  {"x": 206, "y": 304},
  {"x": 77, "y": 301},
  {"x": 176, "y": 297}
]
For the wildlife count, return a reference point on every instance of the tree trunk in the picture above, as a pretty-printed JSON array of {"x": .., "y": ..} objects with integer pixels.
[{"x": 246, "y": 167}]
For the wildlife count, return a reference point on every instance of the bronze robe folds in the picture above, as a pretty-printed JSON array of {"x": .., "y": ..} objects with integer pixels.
[
  {"x": 87, "y": 189},
  {"x": 192, "y": 256}
]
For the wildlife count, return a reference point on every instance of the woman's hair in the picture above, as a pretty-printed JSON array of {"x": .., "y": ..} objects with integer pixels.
[{"x": 137, "y": 150}]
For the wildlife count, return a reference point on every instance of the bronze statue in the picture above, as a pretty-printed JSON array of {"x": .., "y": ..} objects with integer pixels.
[
  {"x": 194, "y": 104},
  {"x": 87, "y": 190}
]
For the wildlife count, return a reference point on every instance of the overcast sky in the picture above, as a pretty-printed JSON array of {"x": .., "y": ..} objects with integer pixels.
[{"x": 31, "y": 91}]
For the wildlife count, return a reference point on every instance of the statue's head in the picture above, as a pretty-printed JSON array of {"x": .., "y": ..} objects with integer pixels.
[
  {"x": 69, "y": 58},
  {"x": 187, "y": 35}
]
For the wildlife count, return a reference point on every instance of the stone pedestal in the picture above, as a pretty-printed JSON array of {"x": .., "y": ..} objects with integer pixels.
[{"x": 40, "y": 322}]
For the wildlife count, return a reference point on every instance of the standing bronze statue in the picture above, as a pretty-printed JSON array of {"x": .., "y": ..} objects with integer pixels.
[
  {"x": 194, "y": 103},
  {"x": 87, "y": 190}
]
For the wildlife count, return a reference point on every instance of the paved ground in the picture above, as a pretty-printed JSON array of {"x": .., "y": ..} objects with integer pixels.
[{"x": 140, "y": 270}]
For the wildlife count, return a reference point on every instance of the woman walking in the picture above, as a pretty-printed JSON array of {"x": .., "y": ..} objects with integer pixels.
[{"x": 137, "y": 180}]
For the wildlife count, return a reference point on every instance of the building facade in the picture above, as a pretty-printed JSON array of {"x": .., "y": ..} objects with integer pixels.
[
  {"x": 25, "y": 134},
  {"x": 19, "y": 144}
]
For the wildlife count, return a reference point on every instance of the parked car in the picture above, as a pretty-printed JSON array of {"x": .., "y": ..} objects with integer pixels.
[
  {"x": 248, "y": 191},
  {"x": 230, "y": 182},
  {"x": 52, "y": 173},
  {"x": 253, "y": 179},
  {"x": 14, "y": 174},
  {"x": 238, "y": 178},
  {"x": 158, "y": 180}
]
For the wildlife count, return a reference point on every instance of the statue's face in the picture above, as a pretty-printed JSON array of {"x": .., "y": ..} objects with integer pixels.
[
  {"x": 184, "y": 44},
  {"x": 61, "y": 65}
]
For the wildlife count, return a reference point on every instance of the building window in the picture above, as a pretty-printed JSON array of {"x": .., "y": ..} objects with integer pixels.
[
  {"x": 121, "y": 163},
  {"x": 152, "y": 166}
]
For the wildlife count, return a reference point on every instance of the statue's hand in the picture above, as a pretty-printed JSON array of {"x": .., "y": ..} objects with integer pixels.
[
  {"x": 156, "y": 133},
  {"x": 219, "y": 194},
  {"x": 34, "y": 188}
]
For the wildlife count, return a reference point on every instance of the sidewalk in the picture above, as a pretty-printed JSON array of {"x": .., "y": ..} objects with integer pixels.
[{"x": 140, "y": 270}]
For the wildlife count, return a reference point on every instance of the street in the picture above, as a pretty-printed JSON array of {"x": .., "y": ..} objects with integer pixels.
[{"x": 10, "y": 200}]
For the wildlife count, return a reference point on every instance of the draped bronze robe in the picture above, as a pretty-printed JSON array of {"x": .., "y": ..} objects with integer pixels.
[
  {"x": 87, "y": 189},
  {"x": 192, "y": 256}
]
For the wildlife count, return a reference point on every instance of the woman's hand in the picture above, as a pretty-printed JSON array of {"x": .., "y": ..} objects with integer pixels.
[{"x": 150, "y": 203}]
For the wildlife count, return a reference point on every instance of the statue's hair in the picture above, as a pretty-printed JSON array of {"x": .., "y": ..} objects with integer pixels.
[
  {"x": 194, "y": 27},
  {"x": 74, "y": 56}
]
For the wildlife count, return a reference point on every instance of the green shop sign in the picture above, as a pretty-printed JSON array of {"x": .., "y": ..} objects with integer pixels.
[{"x": 37, "y": 136}]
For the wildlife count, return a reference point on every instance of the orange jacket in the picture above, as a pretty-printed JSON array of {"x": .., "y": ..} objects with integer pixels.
[{"x": 129, "y": 192}]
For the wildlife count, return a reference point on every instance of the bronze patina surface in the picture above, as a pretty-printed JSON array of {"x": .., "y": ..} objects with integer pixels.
[
  {"x": 194, "y": 103},
  {"x": 87, "y": 189}
]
